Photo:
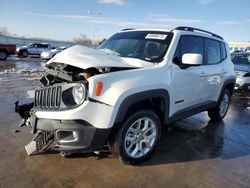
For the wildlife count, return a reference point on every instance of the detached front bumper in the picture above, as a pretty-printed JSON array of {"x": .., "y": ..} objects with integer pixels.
[{"x": 72, "y": 134}]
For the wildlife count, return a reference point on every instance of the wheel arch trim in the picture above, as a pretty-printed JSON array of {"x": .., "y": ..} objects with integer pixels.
[
  {"x": 137, "y": 97},
  {"x": 226, "y": 83}
]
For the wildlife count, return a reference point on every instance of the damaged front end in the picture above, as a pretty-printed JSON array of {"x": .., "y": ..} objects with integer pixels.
[
  {"x": 55, "y": 95},
  {"x": 42, "y": 141},
  {"x": 58, "y": 114}
]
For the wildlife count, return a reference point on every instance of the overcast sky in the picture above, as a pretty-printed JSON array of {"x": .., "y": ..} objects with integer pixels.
[{"x": 65, "y": 19}]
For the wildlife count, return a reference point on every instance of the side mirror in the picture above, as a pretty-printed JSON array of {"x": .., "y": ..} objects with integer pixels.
[{"x": 192, "y": 59}]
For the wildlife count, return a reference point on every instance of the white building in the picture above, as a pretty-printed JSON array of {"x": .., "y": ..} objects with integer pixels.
[{"x": 239, "y": 45}]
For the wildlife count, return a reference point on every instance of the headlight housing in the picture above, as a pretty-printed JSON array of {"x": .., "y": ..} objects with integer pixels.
[{"x": 79, "y": 93}]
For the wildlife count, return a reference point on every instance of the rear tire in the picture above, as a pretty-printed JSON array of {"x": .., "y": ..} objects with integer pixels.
[
  {"x": 3, "y": 55},
  {"x": 137, "y": 138},
  {"x": 220, "y": 111}
]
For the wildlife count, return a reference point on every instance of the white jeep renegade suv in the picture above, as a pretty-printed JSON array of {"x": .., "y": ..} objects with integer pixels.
[{"x": 122, "y": 93}]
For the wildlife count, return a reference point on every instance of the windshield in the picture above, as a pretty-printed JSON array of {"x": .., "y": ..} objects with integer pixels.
[
  {"x": 145, "y": 45},
  {"x": 243, "y": 59}
]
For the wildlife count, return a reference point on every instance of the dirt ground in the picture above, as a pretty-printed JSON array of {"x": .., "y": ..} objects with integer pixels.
[{"x": 195, "y": 153}]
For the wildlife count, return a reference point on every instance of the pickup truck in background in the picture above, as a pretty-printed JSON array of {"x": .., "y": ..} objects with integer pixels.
[{"x": 6, "y": 50}]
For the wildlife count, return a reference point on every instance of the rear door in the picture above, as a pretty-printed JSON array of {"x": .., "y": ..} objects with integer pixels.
[
  {"x": 214, "y": 72},
  {"x": 41, "y": 48}
]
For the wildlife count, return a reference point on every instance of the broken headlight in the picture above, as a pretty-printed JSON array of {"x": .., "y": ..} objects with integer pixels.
[{"x": 79, "y": 93}]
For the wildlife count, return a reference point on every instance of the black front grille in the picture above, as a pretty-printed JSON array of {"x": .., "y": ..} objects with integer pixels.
[{"x": 48, "y": 98}]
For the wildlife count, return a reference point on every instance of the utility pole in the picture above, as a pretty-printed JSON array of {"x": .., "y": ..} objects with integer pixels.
[{"x": 93, "y": 15}]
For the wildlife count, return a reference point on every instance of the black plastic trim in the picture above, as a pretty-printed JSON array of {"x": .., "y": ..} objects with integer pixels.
[
  {"x": 180, "y": 101},
  {"x": 226, "y": 83},
  {"x": 96, "y": 101},
  {"x": 132, "y": 99},
  {"x": 90, "y": 137},
  {"x": 192, "y": 110}
]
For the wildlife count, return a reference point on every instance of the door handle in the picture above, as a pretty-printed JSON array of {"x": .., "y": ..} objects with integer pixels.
[{"x": 223, "y": 71}]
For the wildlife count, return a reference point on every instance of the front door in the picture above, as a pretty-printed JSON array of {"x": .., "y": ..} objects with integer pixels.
[{"x": 188, "y": 83}]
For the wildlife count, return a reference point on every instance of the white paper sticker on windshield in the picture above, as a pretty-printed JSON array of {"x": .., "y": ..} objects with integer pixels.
[{"x": 156, "y": 36}]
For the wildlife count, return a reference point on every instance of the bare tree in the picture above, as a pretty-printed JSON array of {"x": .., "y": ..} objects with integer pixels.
[
  {"x": 83, "y": 39},
  {"x": 101, "y": 41}
]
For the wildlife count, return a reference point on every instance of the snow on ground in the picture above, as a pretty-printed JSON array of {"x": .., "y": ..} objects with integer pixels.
[{"x": 32, "y": 68}]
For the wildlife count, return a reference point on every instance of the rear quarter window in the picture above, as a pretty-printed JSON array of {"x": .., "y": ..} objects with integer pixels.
[{"x": 223, "y": 51}]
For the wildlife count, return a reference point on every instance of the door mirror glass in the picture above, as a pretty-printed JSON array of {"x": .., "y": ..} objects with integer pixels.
[{"x": 192, "y": 59}]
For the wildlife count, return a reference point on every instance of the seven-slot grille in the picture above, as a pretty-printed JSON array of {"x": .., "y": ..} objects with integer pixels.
[{"x": 48, "y": 98}]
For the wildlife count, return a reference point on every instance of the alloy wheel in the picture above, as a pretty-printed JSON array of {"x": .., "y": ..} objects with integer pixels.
[
  {"x": 140, "y": 137},
  {"x": 224, "y": 105}
]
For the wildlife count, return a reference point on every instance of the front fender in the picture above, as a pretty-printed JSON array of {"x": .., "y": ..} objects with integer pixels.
[{"x": 134, "y": 98}]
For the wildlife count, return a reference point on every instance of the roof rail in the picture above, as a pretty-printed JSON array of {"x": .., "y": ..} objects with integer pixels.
[
  {"x": 127, "y": 29},
  {"x": 185, "y": 28}
]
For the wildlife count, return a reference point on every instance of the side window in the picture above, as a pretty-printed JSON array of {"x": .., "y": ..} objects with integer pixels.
[
  {"x": 191, "y": 44},
  {"x": 223, "y": 51},
  {"x": 213, "y": 51}
]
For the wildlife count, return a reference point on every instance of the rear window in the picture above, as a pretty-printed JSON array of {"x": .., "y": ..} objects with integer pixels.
[{"x": 223, "y": 51}]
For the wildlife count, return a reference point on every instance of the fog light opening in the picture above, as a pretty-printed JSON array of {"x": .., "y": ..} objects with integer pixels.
[{"x": 65, "y": 136}]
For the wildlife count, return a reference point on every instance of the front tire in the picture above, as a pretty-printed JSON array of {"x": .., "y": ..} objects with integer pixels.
[
  {"x": 25, "y": 53},
  {"x": 220, "y": 111},
  {"x": 138, "y": 137}
]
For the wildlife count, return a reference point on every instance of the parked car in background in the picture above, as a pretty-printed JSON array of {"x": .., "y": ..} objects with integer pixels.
[
  {"x": 236, "y": 49},
  {"x": 6, "y": 50},
  {"x": 33, "y": 49},
  {"x": 48, "y": 54},
  {"x": 241, "y": 62}
]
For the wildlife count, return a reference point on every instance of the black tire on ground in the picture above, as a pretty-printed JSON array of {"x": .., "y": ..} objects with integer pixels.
[
  {"x": 3, "y": 55},
  {"x": 137, "y": 138},
  {"x": 219, "y": 112},
  {"x": 24, "y": 53}
]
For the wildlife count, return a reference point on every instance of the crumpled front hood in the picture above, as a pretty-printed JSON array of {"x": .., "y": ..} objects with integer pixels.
[{"x": 84, "y": 57}]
